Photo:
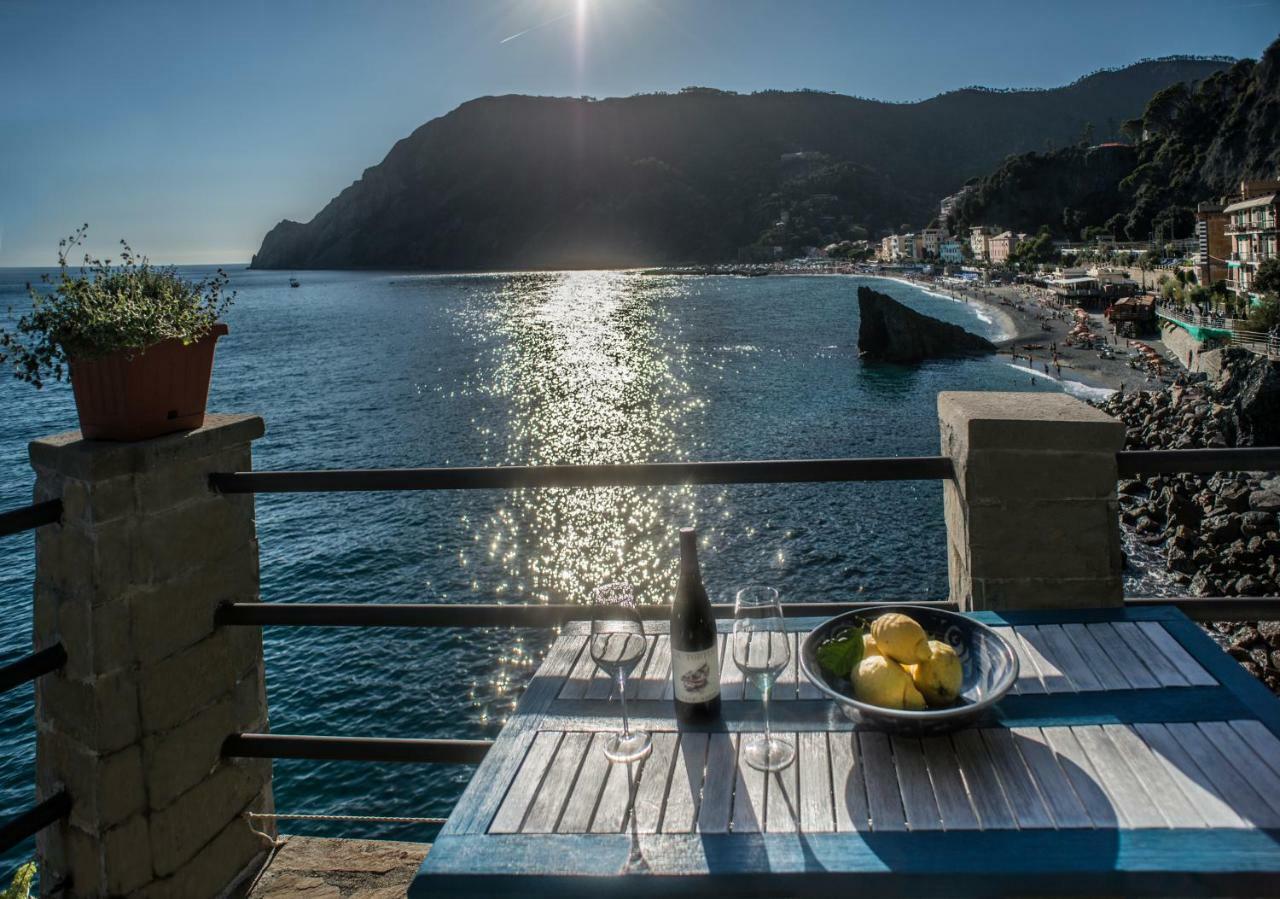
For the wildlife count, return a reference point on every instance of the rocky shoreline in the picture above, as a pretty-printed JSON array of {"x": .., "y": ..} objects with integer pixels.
[{"x": 1219, "y": 535}]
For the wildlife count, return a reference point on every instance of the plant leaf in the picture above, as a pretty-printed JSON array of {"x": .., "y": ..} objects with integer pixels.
[{"x": 841, "y": 654}]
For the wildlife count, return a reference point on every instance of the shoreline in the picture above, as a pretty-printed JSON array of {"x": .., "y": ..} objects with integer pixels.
[{"x": 1024, "y": 314}]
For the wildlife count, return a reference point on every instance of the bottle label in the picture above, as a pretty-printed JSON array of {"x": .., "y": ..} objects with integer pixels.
[{"x": 696, "y": 674}]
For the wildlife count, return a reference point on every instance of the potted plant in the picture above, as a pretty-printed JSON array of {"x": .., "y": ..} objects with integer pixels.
[{"x": 135, "y": 339}]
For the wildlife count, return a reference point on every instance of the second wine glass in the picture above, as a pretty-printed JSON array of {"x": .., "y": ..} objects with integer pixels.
[
  {"x": 762, "y": 651},
  {"x": 617, "y": 646}
]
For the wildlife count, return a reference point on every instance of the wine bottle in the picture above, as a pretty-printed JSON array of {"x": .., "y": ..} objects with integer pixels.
[{"x": 695, "y": 656}]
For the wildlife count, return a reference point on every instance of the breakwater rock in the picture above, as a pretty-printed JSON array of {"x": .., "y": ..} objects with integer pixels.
[
  {"x": 891, "y": 332},
  {"x": 1219, "y": 534}
]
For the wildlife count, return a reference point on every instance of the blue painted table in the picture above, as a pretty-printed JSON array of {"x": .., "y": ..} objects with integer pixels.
[{"x": 1132, "y": 757}]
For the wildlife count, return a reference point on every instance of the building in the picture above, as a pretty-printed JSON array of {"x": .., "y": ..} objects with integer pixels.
[
  {"x": 1001, "y": 246},
  {"x": 950, "y": 251},
  {"x": 909, "y": 247},
  {"x": 979, "y": 236},
  {"x": 930, "y": 240},
  {"x": 1078, "y": 291},
  {"x": 1252, "y": 229},
  {"x": 949, "y": 204},
  {"x": 1212, "y": 245},
  {"x": 886, "y": 249}
]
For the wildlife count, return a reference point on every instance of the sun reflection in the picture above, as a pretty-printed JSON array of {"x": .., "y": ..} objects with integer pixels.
[{"x": 585, "y": 380}]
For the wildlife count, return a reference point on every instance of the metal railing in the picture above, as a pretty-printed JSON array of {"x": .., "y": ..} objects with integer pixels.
[{"x": 29, "y": 668}]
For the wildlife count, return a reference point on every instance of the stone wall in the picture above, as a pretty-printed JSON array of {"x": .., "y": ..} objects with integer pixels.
[
  {"x": 132, "y": 726},
  {"x": 1032, "y": 514}
]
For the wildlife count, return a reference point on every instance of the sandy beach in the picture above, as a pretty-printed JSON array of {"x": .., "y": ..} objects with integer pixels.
[{"x": 1037, "y": 325}]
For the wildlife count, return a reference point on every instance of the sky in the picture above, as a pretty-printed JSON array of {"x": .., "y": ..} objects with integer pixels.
[{"x": 190, "y": 127}]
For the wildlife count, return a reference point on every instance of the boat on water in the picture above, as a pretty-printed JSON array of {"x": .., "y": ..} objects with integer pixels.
[{"x": 293, "y": 282}]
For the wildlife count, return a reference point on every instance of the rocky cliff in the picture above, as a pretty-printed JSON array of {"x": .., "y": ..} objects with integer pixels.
[
  {"x": 540, "y": 182},
  {"x": 890, "y": 332}
]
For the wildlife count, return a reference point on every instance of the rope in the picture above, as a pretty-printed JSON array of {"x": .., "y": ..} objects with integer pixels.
[{"x": 382, "y": 819}]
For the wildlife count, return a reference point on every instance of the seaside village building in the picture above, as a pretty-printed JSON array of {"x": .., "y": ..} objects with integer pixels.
[
  {"x": 1252, "y": 229},
  {"x": 1213, "y": 247},
  {"x": 979, "y": 240},
  {"x": 950, "y": 251},
  {"x": 930, "y": 240},
  {"x": 1000, "y": 246}
]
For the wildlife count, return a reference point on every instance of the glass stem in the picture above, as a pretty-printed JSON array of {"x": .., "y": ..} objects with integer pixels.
[
  {"x": 764, "y": 698},
  {"x": 622, "y": 695}
]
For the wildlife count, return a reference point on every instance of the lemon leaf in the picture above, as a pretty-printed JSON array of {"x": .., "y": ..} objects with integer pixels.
[{"x": 841, "y": 654}]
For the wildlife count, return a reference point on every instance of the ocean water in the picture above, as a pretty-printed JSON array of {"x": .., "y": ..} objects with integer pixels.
[{"x": 387, "y": 369}]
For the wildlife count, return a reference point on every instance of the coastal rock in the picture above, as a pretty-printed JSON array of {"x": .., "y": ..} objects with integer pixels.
[{"x": 890, "y": 332}]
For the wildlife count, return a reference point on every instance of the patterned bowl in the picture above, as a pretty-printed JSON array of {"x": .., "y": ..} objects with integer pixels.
[{"x": 990, "y": 668}]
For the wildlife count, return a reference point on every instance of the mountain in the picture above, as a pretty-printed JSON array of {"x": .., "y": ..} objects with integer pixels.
[
  {"x": 1193, "y": 143},
  {"x": 543, "y": 182}
]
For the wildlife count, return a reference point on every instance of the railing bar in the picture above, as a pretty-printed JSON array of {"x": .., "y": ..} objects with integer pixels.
[
  {"x": 28, "y": 668},
  {"x": 1131, "y": 463},
  {"x": 33, "y": 820},
  {"x": 363, "y": 614},
  {"x": 1215, "y": 608},
  {"x": 355, "y": 749},
  {"x": 656, "y": 474},
  {"x": 25, "y": 518}
]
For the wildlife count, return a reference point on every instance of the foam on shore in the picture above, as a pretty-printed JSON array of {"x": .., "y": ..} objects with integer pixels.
[{"x": 1078, "y": 389}]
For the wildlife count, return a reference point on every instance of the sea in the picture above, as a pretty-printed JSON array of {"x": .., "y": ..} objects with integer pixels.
[{"x": 385, "y": 369}]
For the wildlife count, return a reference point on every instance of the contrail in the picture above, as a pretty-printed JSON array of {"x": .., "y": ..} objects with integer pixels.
[{"x": 535, "y": 28}]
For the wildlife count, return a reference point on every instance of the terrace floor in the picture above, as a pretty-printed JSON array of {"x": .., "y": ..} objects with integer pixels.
[{"x": 327, "y": 868}]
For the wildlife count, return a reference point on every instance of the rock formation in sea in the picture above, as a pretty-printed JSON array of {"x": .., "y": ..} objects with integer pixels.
[
  {"x": 1219, "y": 534},
  {"x": 890, "y": 332}
]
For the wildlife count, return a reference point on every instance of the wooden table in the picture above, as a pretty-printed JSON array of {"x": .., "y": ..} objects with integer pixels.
[{"x": 1133, "y": 757}]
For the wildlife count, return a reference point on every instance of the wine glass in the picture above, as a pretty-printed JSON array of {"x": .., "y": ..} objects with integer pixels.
[
  {"x": 617, "y": 646},
  {"x": 762, "y": 652}
]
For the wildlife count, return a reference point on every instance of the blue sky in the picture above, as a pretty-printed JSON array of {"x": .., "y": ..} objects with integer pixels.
[{"x": 193, "y": 127}]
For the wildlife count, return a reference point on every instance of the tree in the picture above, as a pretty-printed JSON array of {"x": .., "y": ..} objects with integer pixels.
[{"x": 1268, "y": 277}]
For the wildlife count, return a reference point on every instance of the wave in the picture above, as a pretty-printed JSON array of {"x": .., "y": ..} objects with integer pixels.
[{"x": 1078, "y": 389}]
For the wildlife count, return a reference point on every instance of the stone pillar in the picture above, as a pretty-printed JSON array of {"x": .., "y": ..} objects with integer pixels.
[
  {"x": 132, "y": 726},
  {"x": 1032, "y": 516}
]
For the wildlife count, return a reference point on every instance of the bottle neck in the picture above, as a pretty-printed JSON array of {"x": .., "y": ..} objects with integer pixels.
[{"x": 688, "y": 553}]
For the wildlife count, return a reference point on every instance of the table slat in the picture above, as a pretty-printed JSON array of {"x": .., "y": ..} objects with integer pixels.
[
  {"x": 980, "y": 776},
  {"x": 884, "y": 798},
  {"x": 576, "y": 817},
  {"x": 848, "y": 789},
  {"x": 1136, "y": 807},
  {"x": 1050, "y": 674},
  {"x": 651, "y": 795},
  {"x": 715, "y": 812},
  {"x": 581, "y": 675},
  {"x": 1055, "y": 787},
  {"x": 685, "y": 785},
  {"x": 1028, "y": 681},
  {"x": 813, "y": 759},
  {"x": 1160, "y": 667},
  {"x": 1173, "y": 651},
  {"x": 1155, "y": 779},
  {"x": 1120, "y": 652},
  {"x": 1191, "y": 781},
  {"x": 1100, "y": 664},
  {"x": 1067, "y": 657},
  {"x": 614, "y": 809},
  {"x": 658, "y": 673},
  {"x": 544, "y": 811},
  {"x": 783, "y": 795},
  {"x": 1261, "y": 740},
  {"x": 1080, "y": 772},
  {"x": 749, "y": 811},
  {"x": 525, "y": 784},
  {"x": 732, "y": 683},
  {"x": 918, "y": 801},
  {"x": 1019, "y": 787},
  {"x": 1222, "y": 774},
  {"x": 1233, "y": 747},
  {"x": 954, "y": 807}
]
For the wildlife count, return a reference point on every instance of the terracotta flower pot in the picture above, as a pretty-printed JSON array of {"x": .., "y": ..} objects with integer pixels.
[{"x": 137, "y": 395}]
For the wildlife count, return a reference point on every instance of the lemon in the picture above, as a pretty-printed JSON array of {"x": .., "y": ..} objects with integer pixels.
[
  {"x": 883, "y": 682},
  {"x": 869, "y": 647},
  {"x": 938, "y": 679},
  {"x": 900, "y": 638}
]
